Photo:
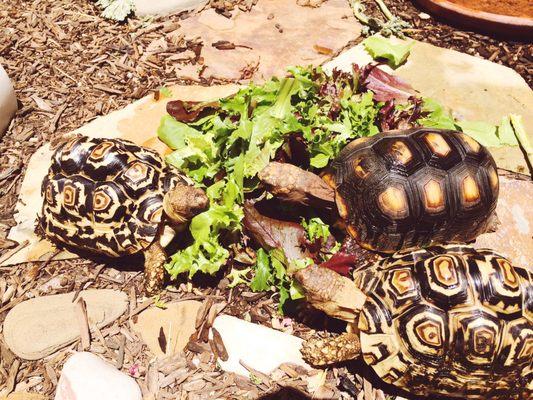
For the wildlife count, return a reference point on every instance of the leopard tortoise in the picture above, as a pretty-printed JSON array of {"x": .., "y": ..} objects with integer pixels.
[
  {"x": 402, "y": 189},
  {"x": 445, "y": 320},
  {"x": 112, "y": 197}
]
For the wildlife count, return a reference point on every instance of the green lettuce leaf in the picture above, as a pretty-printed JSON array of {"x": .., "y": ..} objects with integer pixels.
[
  {"x": 380, "y": 47},
  {"x": 483, "y": 132}
]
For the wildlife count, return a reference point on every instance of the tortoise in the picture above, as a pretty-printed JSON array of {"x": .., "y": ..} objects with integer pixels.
[
  {"x": 446, "y": 320},
  {"x": 112, "y": 197},
  {"x": 401, "y": 189}
]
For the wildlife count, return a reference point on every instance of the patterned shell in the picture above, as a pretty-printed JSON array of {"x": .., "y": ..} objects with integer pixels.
[
  {"x": 105, "y": 195},
  {"x": 410, "y": 188},
  {"x": 449, "y": 321}
]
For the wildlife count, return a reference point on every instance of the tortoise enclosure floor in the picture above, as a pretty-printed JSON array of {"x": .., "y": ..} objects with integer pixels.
[{"x": 69, "y": 66}]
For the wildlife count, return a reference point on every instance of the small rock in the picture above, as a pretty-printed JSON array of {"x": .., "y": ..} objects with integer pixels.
[
  {"x": 8, "y": 101},
  {"x": 423, "y": 15},
  {"x": 24, "y": 396},
  {"x": 87, "y": 377},
  {"x": 167, "y": 331},
  {"x": 164, "y": 7},
  {"x": 38, "y": 327},
  {"x": 257, "y": 346}
]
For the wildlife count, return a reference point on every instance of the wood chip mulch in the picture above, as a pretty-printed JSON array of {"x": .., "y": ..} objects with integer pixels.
[{"x": 70, "y": 66}]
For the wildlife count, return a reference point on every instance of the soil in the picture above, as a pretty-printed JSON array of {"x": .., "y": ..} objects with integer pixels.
[
  {"x": 69, "y": 66},
  {"x": 516, "y": 8}
]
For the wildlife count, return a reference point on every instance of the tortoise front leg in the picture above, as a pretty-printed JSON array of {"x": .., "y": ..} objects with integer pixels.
[
  {"x": 328, "y": 351},
  {"x": 154, "y": 268}
]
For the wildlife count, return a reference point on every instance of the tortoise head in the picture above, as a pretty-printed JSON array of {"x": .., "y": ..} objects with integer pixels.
[
  {"x": 183, "y": 202},
  {"x": 331, "y": 292}
]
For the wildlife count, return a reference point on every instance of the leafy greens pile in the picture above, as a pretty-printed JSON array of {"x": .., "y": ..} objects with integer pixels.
[
  {"x": 306, "y": 118},
  {"x": 224, "y": 150}
]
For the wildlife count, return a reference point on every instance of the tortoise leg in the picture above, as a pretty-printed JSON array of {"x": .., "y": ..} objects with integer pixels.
[
  {"x": 154, "y": 269},
  {"x": 328, "y": 351}
]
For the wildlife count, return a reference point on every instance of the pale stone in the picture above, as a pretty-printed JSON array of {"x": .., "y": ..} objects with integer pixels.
[
  {"x": 514, "y": 236},
  {"x": 164, "y": 7},
  {"x": 38, "y": 327},
  {"x": 267, "y": 46},
  {"x": 177, "y": 322},
  {"x": 24, "y": 396},
  {"x": 8, "y": 101},
  {"x": 261, "y": 348},
  {"x": 215, "y": 21},
  {"x": 473, "y": 88},
  {"x": 85, "y": 376}
]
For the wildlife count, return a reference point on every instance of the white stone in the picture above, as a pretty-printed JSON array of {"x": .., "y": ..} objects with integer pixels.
[
  {"x": 164, "y": 7},
  {"x": 261, "y": 348},
  {"x": 88, "y": 377},
  {"x": 8, "y": 101}
]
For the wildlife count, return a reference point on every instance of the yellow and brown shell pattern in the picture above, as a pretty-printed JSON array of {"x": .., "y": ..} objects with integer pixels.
[
  {"x": 408, "y": 188},
  {"x": 105, "y": 195},
  {"x": 449, "y": 320}
]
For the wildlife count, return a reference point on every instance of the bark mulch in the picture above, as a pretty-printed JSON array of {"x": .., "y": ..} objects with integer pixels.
[{"x": 69, "y": 66}]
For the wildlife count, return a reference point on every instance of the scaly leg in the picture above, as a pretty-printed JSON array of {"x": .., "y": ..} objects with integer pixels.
[
  {"x": 328, "y": 351},
  {"x": 154, "y": 269}
]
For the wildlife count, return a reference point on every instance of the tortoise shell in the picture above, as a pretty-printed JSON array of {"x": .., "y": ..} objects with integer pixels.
[
  {"x": 414, "y": 187},
  {"x": 449, "y": 320},
  {"x": 105, "y": 195}
]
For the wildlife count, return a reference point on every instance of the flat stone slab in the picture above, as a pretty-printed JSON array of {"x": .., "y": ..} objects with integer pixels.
[
  {"x": 261, "y": 348},
  {"x": 514, "y": 236},
  {"x": 473, "y": 88},
  {"x": 38, "y": 327},
  {"x": 24, "y": 396},
  {"x": 164, "y": 7},
  {"x": 275, "y": 34},
  {"x": 175, "y": 323}
]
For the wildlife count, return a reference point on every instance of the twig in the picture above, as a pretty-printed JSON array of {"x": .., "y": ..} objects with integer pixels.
[
  {"x": 12, "y": 379},
  {"x": 83, "y": 323},
  {"x": 385, "y": 10},
  {"x": 120, "y": 355},
  {"x": 10, "y": 253}
]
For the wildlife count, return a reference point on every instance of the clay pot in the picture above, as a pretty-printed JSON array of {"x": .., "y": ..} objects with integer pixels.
[
  {"x": 520, "y": 28},
  {"x": 8, "y": 101}
]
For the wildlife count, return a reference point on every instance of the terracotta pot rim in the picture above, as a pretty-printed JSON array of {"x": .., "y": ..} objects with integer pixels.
[{"x": 498, "y": 21}]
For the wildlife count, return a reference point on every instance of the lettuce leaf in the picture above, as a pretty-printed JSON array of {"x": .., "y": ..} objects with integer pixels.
[{"x": 380, "y": 47}]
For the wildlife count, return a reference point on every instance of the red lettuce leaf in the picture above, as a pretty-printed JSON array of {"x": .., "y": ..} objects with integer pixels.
[
  {"x": 384, "y": 85},
  {"x": 272, "y": 233}
]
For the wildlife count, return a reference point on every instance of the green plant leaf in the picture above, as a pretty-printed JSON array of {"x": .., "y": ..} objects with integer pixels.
[
  {"x": 117, "y": 10},
  {"x": 263, "y": 275},
  {"x": 380, "y": 47},
  {"x": 483, "y": 132}
]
